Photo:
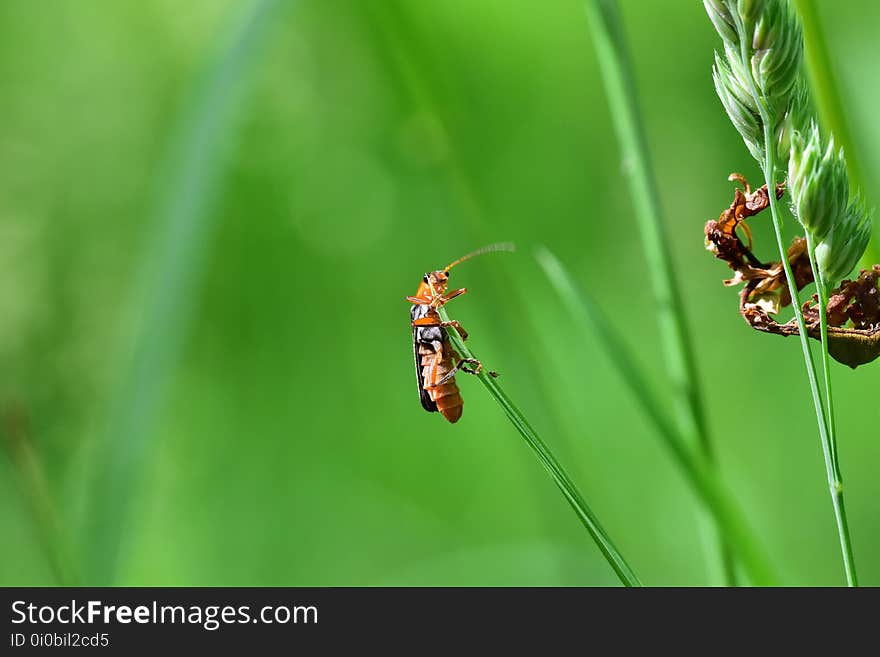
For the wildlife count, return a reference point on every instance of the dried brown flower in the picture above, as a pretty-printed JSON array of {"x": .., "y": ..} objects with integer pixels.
[{"x": 853, "y": 308}]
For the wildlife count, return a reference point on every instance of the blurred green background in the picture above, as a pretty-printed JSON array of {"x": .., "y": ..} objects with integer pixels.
[{"x": 210, "y": 215}]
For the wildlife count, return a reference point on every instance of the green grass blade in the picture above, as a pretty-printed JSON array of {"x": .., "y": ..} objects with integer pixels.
[
  {"x": 553, "y": 467},
  {"x": 700, "y": 474},
  {"x": 614, "y": 63},
  {"x": 770, "y": 170},
  {"x": 398, "y": 41},
  {"x": 826, "y": 93},
  {"x": 183, "y": 226}
]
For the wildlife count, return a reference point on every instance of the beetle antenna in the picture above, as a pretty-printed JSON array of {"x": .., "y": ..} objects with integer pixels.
[{"x": 500, "y": 246}]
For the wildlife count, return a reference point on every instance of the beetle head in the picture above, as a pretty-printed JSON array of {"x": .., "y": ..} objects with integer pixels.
[{"x": 438, "y": 280}]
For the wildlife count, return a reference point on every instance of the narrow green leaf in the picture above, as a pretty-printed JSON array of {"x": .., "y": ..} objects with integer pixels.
[
  {"x": 183, "y": 226},
  {"x": 553, "y": 467},
  {"x": 614, "y": 63},
  {"x": 701, "y": 474}
]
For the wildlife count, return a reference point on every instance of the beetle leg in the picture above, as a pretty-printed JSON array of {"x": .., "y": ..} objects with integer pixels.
[
  {"x": 460, "y": 366},
  {"x": 442, "y": 300},
  {"x": 437, "y": 300},
  {"x": 449, "y": 296},
  {"x": 458, "y": 327},
  {"x": 477, "y": 367}
]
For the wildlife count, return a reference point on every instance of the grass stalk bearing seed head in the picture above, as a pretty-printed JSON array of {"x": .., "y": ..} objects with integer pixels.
[{"x": 759, "y": 75}]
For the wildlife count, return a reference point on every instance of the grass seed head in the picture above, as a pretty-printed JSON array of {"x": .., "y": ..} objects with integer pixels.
[
  {"x": 840, "y": 250},
  {"x": 818, "y": 182},
  {"x": 763, "y": 51}
]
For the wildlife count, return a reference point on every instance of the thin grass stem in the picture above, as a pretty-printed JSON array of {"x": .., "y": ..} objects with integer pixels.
[
  {"x": 396, "y": 36},
  {"x": 822, "y": 293},
  {"x": 616, "y": 69},
  {"x": 702, "y": 476},
  {"x": 835, "y": 478},
  {"x": 770, "y": 171},
  {"x": 834, "y": 484},
  {"x": 552, "y": 466}
]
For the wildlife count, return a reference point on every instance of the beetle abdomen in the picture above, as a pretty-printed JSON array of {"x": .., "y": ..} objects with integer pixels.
[{"x": 446, "y": 396}]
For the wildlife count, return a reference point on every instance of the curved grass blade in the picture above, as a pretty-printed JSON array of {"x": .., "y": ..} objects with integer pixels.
[
  {"x": 553, "y": 467},
  {"x": 702, "y": 475},
  {"x": 173, "y": 265},
  {"x": 614, "y": 63},
  {"x": 422, "y": 89}
]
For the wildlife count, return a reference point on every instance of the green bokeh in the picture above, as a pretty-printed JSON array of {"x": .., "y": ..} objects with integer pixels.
[{"x": 372, "y": 141}]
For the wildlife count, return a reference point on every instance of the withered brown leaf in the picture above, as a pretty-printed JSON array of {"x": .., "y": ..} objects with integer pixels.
[{"x": 855, "y": 302}]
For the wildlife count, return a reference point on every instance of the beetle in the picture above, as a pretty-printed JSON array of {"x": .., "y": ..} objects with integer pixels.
[{"x": 435, "y": 360}]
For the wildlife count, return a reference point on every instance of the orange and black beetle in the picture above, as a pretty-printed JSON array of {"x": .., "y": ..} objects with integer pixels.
[{"x": 435, "y": 359}]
